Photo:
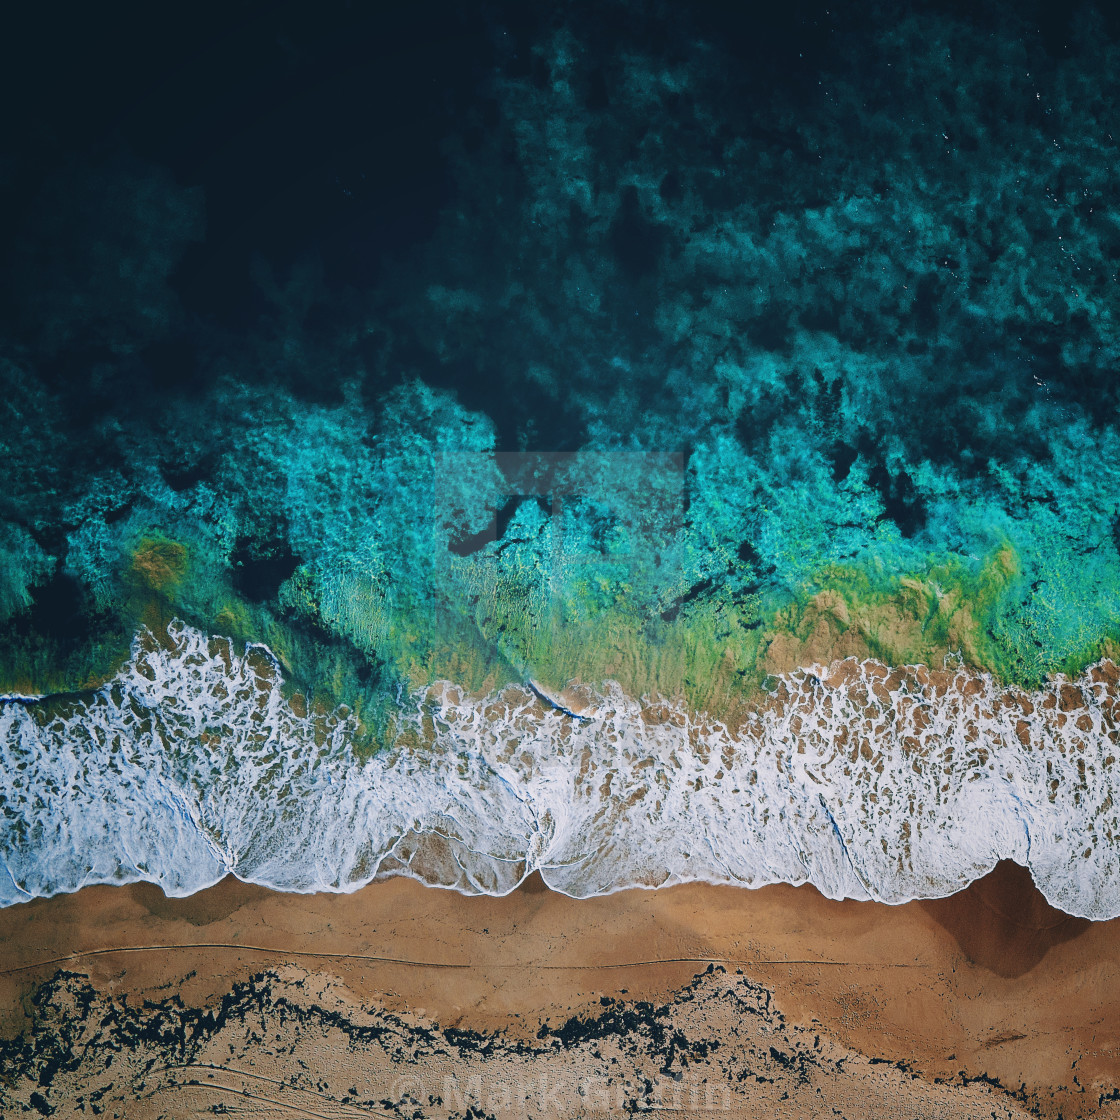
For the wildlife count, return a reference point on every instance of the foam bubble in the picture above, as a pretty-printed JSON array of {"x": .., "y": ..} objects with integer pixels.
[{"x": 866, "y": 781}]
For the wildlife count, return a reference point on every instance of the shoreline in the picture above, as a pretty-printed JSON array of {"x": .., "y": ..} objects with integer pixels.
[
  {"x": 893, "y": 784},
  {"x": 992, "y": 982}
]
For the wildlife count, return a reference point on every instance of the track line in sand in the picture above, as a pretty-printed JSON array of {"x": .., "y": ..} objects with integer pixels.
[
  {"x": 270, "y": 1102},
  {"x": 738, "y": 961},
  {"x": 362, "y": 1109}
]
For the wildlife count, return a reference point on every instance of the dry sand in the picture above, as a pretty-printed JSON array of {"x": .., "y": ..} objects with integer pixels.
[{"x": 809, "y": 998}]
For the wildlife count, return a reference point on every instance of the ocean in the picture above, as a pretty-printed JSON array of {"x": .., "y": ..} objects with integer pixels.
[
  {"x": 634, "y": 445},
  {"x": 866, "y": 781}
]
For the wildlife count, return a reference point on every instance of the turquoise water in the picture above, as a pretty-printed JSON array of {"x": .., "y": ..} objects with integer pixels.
[{"x": 672, "y": 352}]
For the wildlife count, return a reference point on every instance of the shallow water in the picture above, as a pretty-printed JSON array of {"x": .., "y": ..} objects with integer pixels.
[{"x": 866, "y": 782}]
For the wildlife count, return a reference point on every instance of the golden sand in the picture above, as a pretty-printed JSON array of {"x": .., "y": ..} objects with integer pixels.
[{"x": 992, "y": 983}]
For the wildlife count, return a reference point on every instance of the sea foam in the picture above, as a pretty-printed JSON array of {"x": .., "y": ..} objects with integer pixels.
[{"x": 866, "y": 781}]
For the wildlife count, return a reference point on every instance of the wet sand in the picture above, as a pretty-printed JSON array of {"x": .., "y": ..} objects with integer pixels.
[{"x": 993, "y": 983}]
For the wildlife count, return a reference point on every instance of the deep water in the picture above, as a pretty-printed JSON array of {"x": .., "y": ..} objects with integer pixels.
[{"x": 654, "y": 348}]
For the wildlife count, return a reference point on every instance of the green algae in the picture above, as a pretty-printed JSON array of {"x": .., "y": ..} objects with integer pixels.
[
  {"x": 39, "y": 662},
  {"x": 521, "y": 608}
]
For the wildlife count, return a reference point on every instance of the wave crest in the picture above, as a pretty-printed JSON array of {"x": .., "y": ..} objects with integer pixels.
[{"x": 865, "y": 780}]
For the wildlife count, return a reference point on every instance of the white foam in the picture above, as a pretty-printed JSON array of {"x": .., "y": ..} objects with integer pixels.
[{"x": 191, "y": 765}]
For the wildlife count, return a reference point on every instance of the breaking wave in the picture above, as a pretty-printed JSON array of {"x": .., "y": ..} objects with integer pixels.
[{"x": 867, "y": 781}]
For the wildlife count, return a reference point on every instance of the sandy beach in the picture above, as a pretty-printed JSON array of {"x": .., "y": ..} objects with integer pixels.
[{"x": 990, "y": 986}]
